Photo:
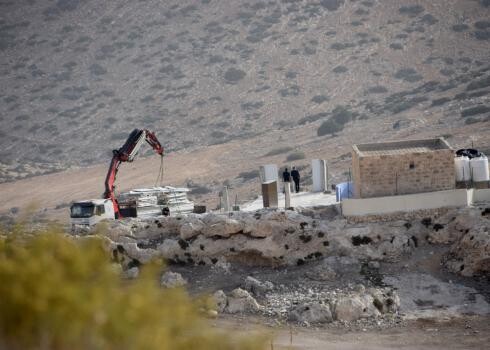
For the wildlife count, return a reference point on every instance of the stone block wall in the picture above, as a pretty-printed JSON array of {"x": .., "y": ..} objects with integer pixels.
[{"x": 407, "y": 173}]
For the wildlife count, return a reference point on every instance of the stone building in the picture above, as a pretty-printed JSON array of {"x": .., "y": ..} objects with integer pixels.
[{"x": 402, "y": 167}]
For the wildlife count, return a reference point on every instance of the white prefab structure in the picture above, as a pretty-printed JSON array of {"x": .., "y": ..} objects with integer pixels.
[
  {"x": 225, "y": 200},
  {"x": 269, "y": 173},
  {"x": 462, "y": 168},
  {"x": 479, "y": 169},
  {"x": 319, "y": 175}
]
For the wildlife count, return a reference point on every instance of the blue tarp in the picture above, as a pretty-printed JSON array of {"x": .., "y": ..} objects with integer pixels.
[{"x": 344, "y": 190}]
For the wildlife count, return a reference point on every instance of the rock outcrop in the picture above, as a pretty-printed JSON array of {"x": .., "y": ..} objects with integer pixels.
[
  {"x": 278, "y": 237},
  {"x": 172, "y": 280},
  {"x": 240, "y": 301},
  {"x": 470, "y": 256},
  {"x": 311, "y": 313}
]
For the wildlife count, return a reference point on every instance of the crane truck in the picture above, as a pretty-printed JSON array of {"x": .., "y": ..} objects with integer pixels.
[{"x": 90, "y": 212}]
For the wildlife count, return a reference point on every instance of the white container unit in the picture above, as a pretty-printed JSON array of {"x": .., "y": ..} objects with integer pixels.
[
  {"x": 462, "y": 168},
  {"x": 479, "y": 169},
  {"x": 269, "y": 173},
  {"x": 319, "y": 175}
]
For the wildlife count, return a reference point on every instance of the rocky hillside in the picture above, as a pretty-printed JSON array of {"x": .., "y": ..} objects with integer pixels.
[{"x": 77, "y": 75}]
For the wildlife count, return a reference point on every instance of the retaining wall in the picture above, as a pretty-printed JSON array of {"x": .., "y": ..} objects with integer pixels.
[{"x": 414, "y": 202}]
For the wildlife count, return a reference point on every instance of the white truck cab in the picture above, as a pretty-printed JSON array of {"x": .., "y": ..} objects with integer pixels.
[{"x": 90, "y": 212}]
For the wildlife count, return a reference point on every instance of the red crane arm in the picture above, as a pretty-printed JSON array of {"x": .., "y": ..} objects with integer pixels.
[{"x": 127, "y": 153}]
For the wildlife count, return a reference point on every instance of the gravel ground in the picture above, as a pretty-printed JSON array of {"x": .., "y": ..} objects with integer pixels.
[{"x": 426, "y": 290}]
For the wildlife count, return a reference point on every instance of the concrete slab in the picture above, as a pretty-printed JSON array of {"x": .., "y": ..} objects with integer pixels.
[{"x": 301, "y": 199}]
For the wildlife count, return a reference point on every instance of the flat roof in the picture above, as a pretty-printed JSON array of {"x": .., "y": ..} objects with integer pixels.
[{"x": 400, "y": 147}]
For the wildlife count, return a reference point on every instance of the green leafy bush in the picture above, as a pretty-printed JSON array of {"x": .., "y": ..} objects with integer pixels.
[{"x": 58, "y": 293}]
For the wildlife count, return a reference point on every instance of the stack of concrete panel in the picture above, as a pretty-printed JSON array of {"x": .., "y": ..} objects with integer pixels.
[{"x": 150, "y": 202}]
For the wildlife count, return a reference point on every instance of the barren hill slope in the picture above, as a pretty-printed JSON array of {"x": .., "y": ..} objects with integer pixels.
[{"x": 77, "y": 75}]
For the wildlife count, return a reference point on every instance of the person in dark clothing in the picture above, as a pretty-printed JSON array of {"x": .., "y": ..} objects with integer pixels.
[
  {"x": 296, "y": 178},
  {"x": 286, "y": 178}
]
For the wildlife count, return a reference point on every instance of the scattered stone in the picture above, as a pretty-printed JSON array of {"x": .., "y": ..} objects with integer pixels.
[
  {"x": 321, "y": 273},
  {"x": 257, "y": 287},
  {"x": 221, "y": 300},
  {"x": 240, "y": 301},
  {"x": 172, "y": 280},
  {"x": 132, "y": 273},
  {"x": 310, "y": 313},
  {"x": 470, "y": 256},
  {"x": 348, "y": 308}
]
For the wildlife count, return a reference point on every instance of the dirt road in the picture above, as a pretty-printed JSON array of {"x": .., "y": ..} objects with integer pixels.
[{"x": 457, "y": 333}]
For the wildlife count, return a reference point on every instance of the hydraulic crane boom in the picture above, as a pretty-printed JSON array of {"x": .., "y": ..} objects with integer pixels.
[{"x": 127, "y": 153}]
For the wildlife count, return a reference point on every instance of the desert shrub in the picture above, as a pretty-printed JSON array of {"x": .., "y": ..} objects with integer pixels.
[
  {"x": 446, "y": 72},
  {"x": 482, "y": 34},
  {"x": 404, "y": 105},
  {"x": 309, "y": 50},
  {"x": 147, "y": 99},
  {"x": 471, "y": 120},
  {"x": 460, "y": 27},
  {"x": 10, "y": 98},
  {"x": 216, "y": 59},
  {"x": 482, "y": 25},
  {"x": 279, "y": 150},
  {"x": 67, "y": 29},
  {"x": 340, "y": 69},
  {"x": 233, "y": 75},
  {"x": 218, "y": 134},
  {"x": 396, "y": 46},
  {"x": 97, "y": 69},
  {"x": 331, "y": 5},
  {"x": 377, "y": 89},
  {"x": 249, "y": 175},
  {"x": 295, "y": 156},
  {"x": 329, "y": 127},
  {"x": 408, "y": 74},
  {"x": 58, "y": 293},
  {"x": 248, "y": 106},
  {"x": 200, "y": 189},
  {"x": 411, "y": 10},
  {"x": 440, "y": 101},
  {"x": 319, "y": 99},
  {"x": 292, "y": 90},
  {"x": 429, "y": 19},
  {"x": 479, "y": 93},
  {"x": 361, "y": 12},
  {"x": 475, "y": 111},
  {"x": 312, "y": 118},
  {"x": 479, "y": 84},
  {"x": 341, "y": 46},
  {"x": 342, "y": 115},
  {"x": 73, "y": 93},
  {"x": 22, "y": 117}
]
